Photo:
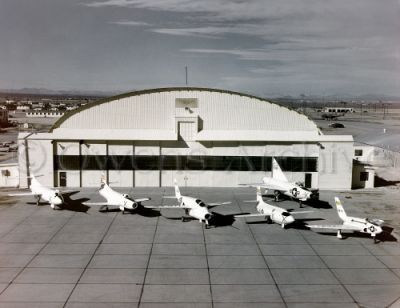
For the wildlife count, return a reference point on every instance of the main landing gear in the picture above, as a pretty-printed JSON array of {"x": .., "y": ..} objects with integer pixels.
[{"x": 276, "y": 195}]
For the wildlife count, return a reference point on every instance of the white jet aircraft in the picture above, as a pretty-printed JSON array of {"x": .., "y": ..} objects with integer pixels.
[
  {"x": 363, "y": 225},
  {"x": 272, "y": 213},
  {"x": 280, "y": 185},
  {"x": 193, "y": 207},
  {"x": 116, "y": 200},
  {"x": 50, "y": 195}
]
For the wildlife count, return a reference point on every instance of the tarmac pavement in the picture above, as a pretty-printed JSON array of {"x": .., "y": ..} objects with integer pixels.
[{"x": 80, "y": 257}]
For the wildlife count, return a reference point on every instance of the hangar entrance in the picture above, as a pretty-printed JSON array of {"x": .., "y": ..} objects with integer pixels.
[
  {"x": 308, "y": 180},
  {"x": 63, "y": 179}
]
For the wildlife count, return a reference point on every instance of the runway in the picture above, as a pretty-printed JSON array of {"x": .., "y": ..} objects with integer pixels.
[{"x": 80, "y": 257}]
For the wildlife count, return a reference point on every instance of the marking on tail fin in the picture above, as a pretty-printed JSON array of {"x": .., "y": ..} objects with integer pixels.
[
  {"x": 177, "y": 191},
  {"x": 277, "y": 171},
  {"x": 259, "y": 195},
  {"x": 103, "y": 180},
  {"x": 340, "y": 209}
]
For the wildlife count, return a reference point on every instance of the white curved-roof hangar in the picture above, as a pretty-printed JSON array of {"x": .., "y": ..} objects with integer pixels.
[{"x": 152, "y": 115}]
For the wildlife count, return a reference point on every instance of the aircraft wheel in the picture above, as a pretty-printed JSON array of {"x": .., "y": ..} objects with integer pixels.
[
  {"x": 276, "y": 194},
  {"x": 183, "y": 219}
]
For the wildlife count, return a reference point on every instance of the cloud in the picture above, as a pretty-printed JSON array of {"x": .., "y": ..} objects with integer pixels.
[{"x": 130, "y": 23}]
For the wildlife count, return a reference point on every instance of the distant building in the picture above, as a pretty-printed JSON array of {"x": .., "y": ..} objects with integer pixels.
[
  {"x": 364, "y": 165},
  {"x": 9, "y": 174},
  {"x": 338, "y": 110},
  {"x": 3, "y": 117},
  {"x": 23, "y": 108},
  {"x": 44, "y": 114}
]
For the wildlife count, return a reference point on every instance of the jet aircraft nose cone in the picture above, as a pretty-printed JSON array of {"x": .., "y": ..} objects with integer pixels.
[
  {"x": 57, "y": 201},
  {"x": 207, "y": 216},
  {"x": 289, "y": 219}
]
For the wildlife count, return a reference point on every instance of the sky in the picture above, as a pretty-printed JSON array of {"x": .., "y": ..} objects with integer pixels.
[{"x": 261, "y": 47}]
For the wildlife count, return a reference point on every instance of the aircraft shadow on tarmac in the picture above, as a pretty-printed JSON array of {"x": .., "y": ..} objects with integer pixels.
[
  {"x": 380, "y": 182},
  {"x": 217, "y": 220},
  {"x": 69, "y": 204},
  {"x": 317, "y": 204},
  {"x": 220, "y": 220},
  {"x": 142, "y": 211},
  {"x": 74, "y": 205},
  {"x": 299, "y": 224}
]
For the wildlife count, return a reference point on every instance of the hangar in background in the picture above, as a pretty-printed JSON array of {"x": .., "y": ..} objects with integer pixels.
[{"x": 202, "y": 137}]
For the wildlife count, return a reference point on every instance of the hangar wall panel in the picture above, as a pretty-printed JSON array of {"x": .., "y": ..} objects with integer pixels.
[
  {"x": 67, "y": 148},
  {"x": 146, "y": 148},
  {"x": 211, "y": 178},
  {"x": 93, "y": 148},
  {"x": 41, "y": 160},
  {"x": 120, "y": 178},
  {"x": 120, "y": 149},
  {"x": 147, "y": 178},
  {"x": 184, "y": 148},
  {"x": 22, "y": 163},
  {"x": 91, "y": 178},
  {"x": 335, "y": 165}
]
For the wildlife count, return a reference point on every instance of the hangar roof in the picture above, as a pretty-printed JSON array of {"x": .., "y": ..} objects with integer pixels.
[{"x": 154, "y": 113}]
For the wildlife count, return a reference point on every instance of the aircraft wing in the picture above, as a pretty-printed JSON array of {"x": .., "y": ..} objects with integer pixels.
[
  {"x": 20, "y": 194},
  {"x": 211, "y": 205},
  {"x": 334, "y": 227},
  {"x": 300, "y": 212},
  {"x": 266, "y": 186},
  {"x": 95, "y": 203},
  {"x": 164, "y": 206},
  {"x": 66, "y": 191},
  {"x": 142, "y": 200},
  {"x": 253, "y": 184},
  {"x": 250, "y": 215}
]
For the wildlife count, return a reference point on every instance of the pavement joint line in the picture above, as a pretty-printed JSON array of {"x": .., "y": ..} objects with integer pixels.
[
  {"x": 390, "y": 269},
  {"x": 148, "y": 262},
  {"x": 208, "y": 267},
  {"x": 265, "y": 261},
  {"x": 35, "y": 255},
  {"x": 17, "y": 225},
  {"x": 376, "y": 257},
  {"x": 331, "y": 271},
  {"x": 90, "y": 260}
]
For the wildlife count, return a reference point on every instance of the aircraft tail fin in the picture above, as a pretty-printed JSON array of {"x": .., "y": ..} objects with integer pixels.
[
  {"x": 277, "y": 171},
  {"x": 103, "y": 180},
  {"x": 259, "y": 195},
  {"x": 177, "y": 191},
  {"x": 342, "y": 214}
]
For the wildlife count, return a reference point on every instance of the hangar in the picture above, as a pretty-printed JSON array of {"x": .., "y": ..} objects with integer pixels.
[{"x": 201, "y": 136}]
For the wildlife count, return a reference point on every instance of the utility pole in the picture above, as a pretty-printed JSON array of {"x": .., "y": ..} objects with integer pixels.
[{"x": 186, "y": 75}]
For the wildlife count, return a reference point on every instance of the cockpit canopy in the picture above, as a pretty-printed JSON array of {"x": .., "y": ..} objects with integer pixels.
[
  {"x": 200, "y": 203},
  {"x": 285, "y": 214}
]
